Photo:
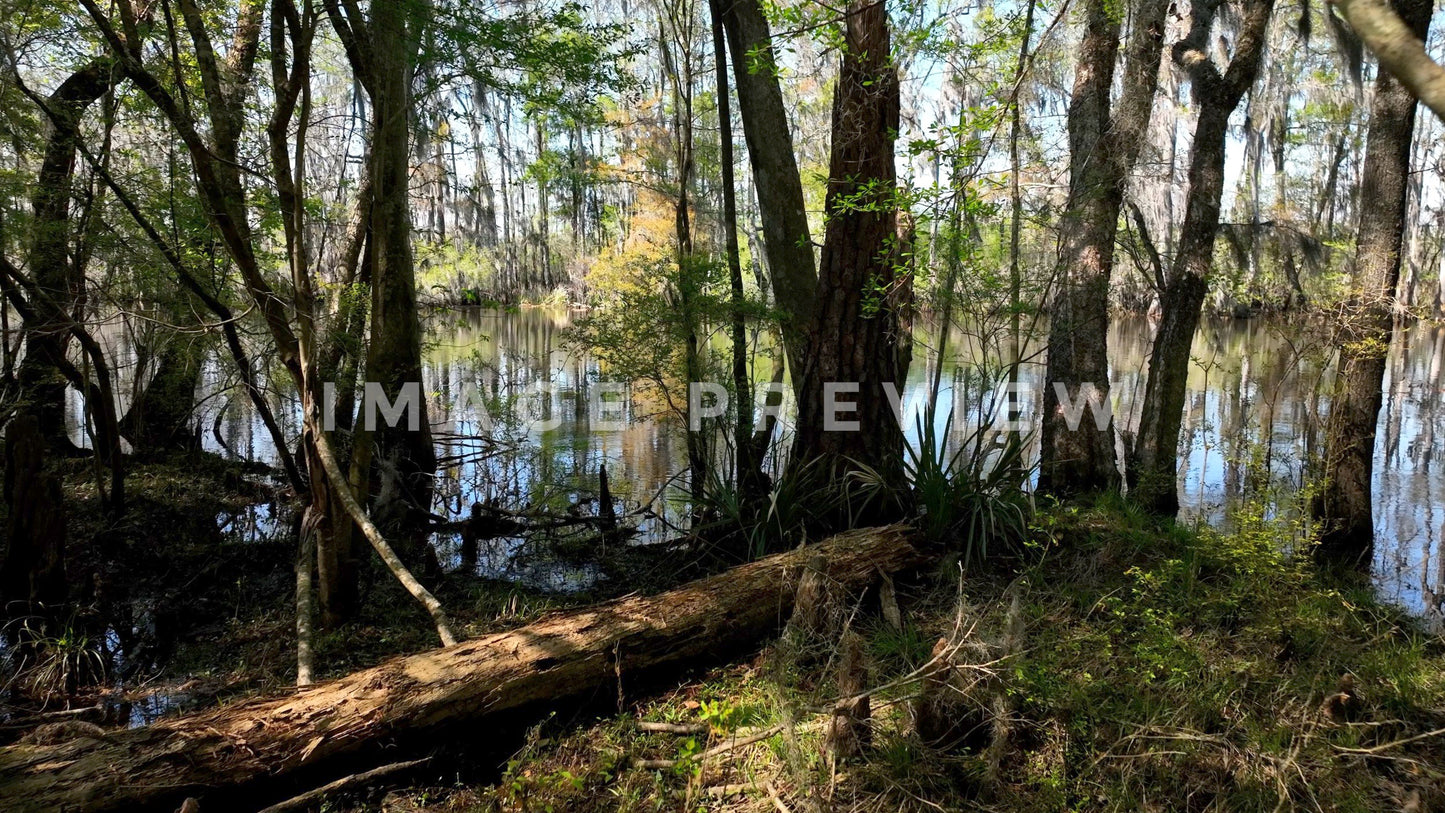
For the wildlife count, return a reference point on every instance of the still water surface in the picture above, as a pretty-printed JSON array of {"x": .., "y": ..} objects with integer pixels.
[{"x": 1253, "y": 414}]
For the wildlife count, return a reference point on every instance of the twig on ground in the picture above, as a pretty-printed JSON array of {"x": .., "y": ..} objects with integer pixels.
[
  {"x": 312, "y": 796},
  {"x": 1396, "y": 744},
  {"x": 777, "y": 800},
  {"x": 47, "y": 716},
  {"x": 671, "y": 728}
]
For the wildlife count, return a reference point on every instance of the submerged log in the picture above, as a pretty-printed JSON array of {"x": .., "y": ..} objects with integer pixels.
[{"x": 263, "y": 744}]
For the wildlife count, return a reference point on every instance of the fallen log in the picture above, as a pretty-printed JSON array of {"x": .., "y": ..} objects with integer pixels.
[{"x": 267, "y": 742}]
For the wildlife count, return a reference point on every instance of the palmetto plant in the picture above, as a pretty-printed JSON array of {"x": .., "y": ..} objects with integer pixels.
[
  {"x": 54, "y": 665},
  {"x": 800, "y": 498},
  {"x": 974, "y": 495},
  {"x": 971, "y": 494}
]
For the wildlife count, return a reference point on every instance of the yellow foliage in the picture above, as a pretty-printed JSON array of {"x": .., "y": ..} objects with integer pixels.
[{"x": 645, "y": 261}]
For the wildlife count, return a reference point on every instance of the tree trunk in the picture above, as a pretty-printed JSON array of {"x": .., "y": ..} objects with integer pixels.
[
  {"x": 1343, "y": 506},
  {"x": 160, "y": 419},
  {"x": 32, "y": 574},
  {"x": 749, "y": 473},
  {"x": 42, "y": 383},
  {"x": 1016, "y": 198},
  {"x": 263, "y": 743},
  {"x": 687, "y": 285},
  {"x": 858, "y": 339},
  {"x": 394, "y": 355},
  {"x": 786, "y": 239},
  {"x": 1080, "y": 457},
  {"x": 1325, "y": 212},
  {"x": 1154, "y": 459}
]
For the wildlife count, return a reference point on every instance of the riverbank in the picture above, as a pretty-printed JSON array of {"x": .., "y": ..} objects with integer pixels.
[
  {"x": 1122, "y": 664},
  {"x": 187, "y": 600},
  {"x": 1132, "y": 666}
]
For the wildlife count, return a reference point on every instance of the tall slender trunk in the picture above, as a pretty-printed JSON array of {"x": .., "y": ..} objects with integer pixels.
[
  {"x": 404, "y": 457},
  {"x": 1325, "y": 212},
  {"x": 1080, "y": 457},
  {"x": 1016, "y": 218},
  {"x": 786, "y": 239},
  {"x": 1016, "y": 198},
  {"x": 1283, "y": 215},
  {"x": 675, "y": 31},
  {"x": 1439, "y": 302},
  {"x": 1343, "y": 505},
  {"x": 503, "y": 125},
  {"x": 1154, "y": 459},
  {"x": 544, "y": 215},
  {"x": 749, "y": 473},
  {"x": 1249, "y": 196}
]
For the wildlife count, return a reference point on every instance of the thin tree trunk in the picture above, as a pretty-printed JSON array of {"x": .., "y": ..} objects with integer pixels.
[
  {"x": 749, "y": 473},
  {"x": 786, "y": 238},
  {"x": 1154, "y": 459},
  {"x": 1343, "y": 505},
  {"x": 1016, "y": 198},
  {"x": 1326, "y": 210},
  {"x": 1081, "y": 458},
  {"x": 675, "y": 31}
]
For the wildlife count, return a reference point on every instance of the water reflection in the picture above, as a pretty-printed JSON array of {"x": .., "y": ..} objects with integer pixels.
[{"x": 1257, "y": 392}]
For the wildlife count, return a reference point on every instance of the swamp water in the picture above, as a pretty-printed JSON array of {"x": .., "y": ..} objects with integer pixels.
[{"x": 1257, "y": 393}]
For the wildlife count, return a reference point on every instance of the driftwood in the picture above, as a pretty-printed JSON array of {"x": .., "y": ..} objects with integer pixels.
[{"x": 229, "y": 756}]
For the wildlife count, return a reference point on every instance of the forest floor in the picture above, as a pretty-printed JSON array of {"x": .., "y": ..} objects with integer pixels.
[
  {"x": 1121, "y": 664},
  {"x": 1133, "y": 666}
]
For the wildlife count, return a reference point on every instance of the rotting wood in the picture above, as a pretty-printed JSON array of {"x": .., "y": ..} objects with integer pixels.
[{"x": 261, "y": 743}]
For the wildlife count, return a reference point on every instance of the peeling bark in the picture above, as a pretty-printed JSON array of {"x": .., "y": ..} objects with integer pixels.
[{"x": 248, "y": 752}]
